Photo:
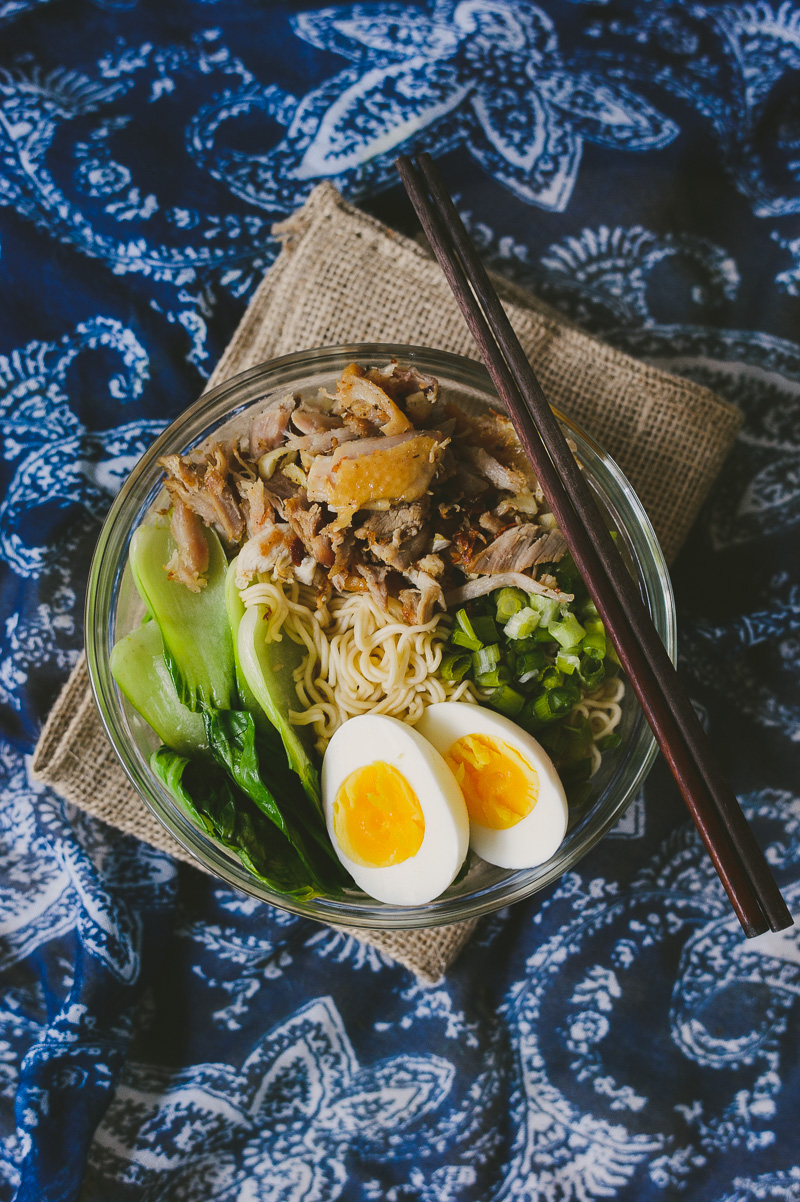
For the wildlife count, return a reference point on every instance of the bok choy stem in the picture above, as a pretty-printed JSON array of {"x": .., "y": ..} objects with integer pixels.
[
  {"x": 139, "y": 668},
  {"x": 268, "y": 669},
  {"x": 198, "y": 648}
]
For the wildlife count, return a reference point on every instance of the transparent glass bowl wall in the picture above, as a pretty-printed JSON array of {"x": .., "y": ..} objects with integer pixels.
[{"x": 113, "y": 608}]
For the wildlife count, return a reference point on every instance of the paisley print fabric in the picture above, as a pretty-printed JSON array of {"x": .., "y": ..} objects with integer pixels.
[{"x": 163, "y": 1037}]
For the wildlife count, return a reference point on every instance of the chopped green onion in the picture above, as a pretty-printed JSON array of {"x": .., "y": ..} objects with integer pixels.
[
  {"x": 487, "y": 659},
  {"x": 507, "y": 701},
  {"x": 527, "y": 718},
  {"x": 577, "y": 738},
  {"x": 567, "y": 662},
  {"x": 521, "y": 646},
  {"x": 552, "y": 704},
  {"x": 552, "y": 738},
  {"x": 563, "y": 699},
  {"x": 464, "y": 634},
  {"x": 529, "y": 665},
  {"x": 454, "y": 666},
  {"x": 591, "y": 670},
  {"x": 609, "y": 742},
  {"x": 587, "y": 608},
  {"x": 568, "y": 631},
  {"x": 485, "y": 630},
  {"x": 522, "y": 624},
  {"x": 567, "y": 575},
  {"x": 509, "y": 602},
  {"x": 492, "y": 680},
  {"x": 552, "y": 678},
  {"x": 546, "y": 606},
  {"x": 595, "y": 638},
  {"x": 542, "y": 635},
  {"x": 484, "y": 605}
]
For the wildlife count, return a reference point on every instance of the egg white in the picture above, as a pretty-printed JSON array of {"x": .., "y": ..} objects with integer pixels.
[
  {"x": 534, "y": 838},
  {"x": 422, "y": 877}
]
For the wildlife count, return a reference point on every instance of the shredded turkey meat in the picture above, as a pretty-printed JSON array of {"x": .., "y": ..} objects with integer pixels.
[
  {"x": 189, "y": 560},
  {"x": 385, "y": 488},
  {"x": 268, "y": 428},
  {"x": 206, "y": 489}
]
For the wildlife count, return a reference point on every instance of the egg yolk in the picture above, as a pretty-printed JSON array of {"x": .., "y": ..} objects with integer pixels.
[
  {"x": 500, "y": 787},
  {"x": 377, "y": 818}
]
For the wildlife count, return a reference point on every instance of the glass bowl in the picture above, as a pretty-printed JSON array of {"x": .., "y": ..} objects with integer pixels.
[{"x": 113, "y": 608}]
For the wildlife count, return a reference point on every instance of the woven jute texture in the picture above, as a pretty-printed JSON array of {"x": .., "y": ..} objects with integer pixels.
[{"x": 343, "y": 277}]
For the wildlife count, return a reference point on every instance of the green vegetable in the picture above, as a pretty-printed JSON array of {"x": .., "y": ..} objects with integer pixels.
[
  {"x": 567, "y": 574},
  {"x": 552, "y": 704},
  {"x": 529, "y": 665},
  {"x": 577, "y": 735},
  {"x": 595, "y": 638},
  {"x": 568, "y": 662},
  {"x": 591, "y": 671},
  {"x": 139, "y": 668},
  {"x": 198, "y": 649},
  {"x": 486, "y": 660},
  {"x": 232, "y": 738},
  {"x": 268, "y": 669},
  {"x": 463, "y": 633},
  {"x": 506, "y": 701},
  {"x": 485, "y": 630},
  {"x": 236, "y": 611},
  {"x": 231, "y": 735},
  {"x": 547, "y": 607},
  {"x": 567, "y": 631},
  {"x": 497, "y": 676},
  {"x": 211, "y": 807},
  {"x": 509, "y": 602},
  {"x": 454, "y": 666},
  {"x": 210, "y": 799},
  {"x": 523, "y": 646},
  {"x": 552, "y": 678},
  {"x": 522, "y": 624}
]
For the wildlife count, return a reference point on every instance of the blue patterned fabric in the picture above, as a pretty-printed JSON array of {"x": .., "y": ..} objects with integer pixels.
[{"x": 163, "y": 1037}]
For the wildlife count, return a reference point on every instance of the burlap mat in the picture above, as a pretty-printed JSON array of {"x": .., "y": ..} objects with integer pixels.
[{"x": 344, "y": 277}]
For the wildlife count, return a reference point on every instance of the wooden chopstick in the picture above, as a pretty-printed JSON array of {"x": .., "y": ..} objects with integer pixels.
[
  {"x": 736, "y": 856},
  {"x": 722, "y": 796}
]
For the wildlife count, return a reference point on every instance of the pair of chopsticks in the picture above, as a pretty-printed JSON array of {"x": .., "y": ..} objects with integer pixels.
[{"x": 729, "y": 841}]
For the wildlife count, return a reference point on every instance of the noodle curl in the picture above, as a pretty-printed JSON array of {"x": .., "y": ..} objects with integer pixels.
[{"x": 359, "y": 658}]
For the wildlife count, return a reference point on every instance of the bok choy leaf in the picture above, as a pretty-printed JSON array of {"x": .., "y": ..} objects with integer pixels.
[
  {"x": 139, "y": 668},
  {"x": 267, "y": 668},
  {"x": 236, "y": 611},
  {"x": 198, "y": 647},
  {"x": 236, "y": 746},
  {"x": 210, "y": 799}
]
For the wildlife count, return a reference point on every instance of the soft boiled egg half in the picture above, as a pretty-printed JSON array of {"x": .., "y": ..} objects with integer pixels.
[
  {"x": 515, "y": 800},
  {"x": 394, "y": 811}
]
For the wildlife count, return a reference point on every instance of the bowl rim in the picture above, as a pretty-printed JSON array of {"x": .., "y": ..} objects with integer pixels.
[{"x": 111, "y": 705}]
